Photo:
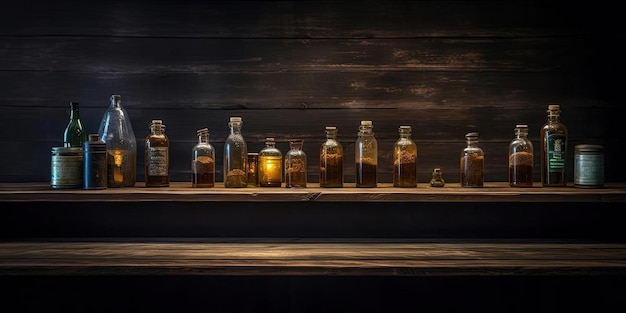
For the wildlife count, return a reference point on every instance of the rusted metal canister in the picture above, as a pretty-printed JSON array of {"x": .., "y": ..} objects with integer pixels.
[
  {"x": 66, "y": 167},
  {"x": 589, "y": 166}
]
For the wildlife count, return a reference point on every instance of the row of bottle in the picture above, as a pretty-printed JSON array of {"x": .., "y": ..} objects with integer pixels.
[{"x": 266, "y": 167}]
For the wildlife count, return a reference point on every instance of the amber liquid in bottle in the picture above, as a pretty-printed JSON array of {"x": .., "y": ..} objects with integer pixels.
[
  {"x": 331, "y": 160},
  {"x": 203, "y": 172},
  {"x": 157, "y": 164}
]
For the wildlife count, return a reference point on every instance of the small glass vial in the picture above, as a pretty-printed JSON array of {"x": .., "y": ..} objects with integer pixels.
[
  {"x": 472, "y": 162},
  {"x": 437, "y": 180},
  {"x": 270, "y": 165},
  {"x": 366, "y": 156},
  {"x": 553, "y": 149},
  {"x": 521, "y": 157},
  {"x": 331, "y": 160},
  {"x": 253, "y": 169},
  {"x": 157, "y": 156},
  {"x": 94, "y": 163},
  {"x": 235, "y": 156},
  {"x": 203, "y": 161},
  {"x": 295, "y": 165},
  {"x": 588, "y": 166},
  {"x": 405, "y": 159}
]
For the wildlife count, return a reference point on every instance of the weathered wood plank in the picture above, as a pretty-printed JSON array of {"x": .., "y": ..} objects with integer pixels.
[{"x": 293, "y": 258}]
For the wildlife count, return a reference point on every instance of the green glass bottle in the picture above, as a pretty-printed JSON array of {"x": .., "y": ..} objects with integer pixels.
[{"x": 75, "y": 134}]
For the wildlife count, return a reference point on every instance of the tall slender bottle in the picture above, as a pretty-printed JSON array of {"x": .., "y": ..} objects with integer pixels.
[
  {"x": 157, "y": 156},
  {"x": 117, "y": 132},
  {"x": 553, "y": 149},
  {"x": 331, "y": 160},
  {"x": 235, "y": 156},
  {"x": 203, "y": 161},
  {"x": 75, "y": 134},
  {"x": 405, "y": 159},
  {"x": 472, "y": 162},
  {"x": 366, "y": 156},
  {"x": 295, "y": 165},
  {"x": 270, "y": 165},
  {"x": 521, "y": 158}
]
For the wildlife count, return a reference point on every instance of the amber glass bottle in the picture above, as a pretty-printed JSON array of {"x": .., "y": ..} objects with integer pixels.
[
  {"x": 405, "y": 159},
  {"x": 157, "y": 156},
  {"x": 331, "y": 160},
  {"x": 521, "y": 158},
  {"x": 553, "y": 149},
  {"x": 270, "y": 165},
  {"x": 472, "y": 162},
  {"x": 203, "y": 161},
  {"x": 366, "y": 156}
]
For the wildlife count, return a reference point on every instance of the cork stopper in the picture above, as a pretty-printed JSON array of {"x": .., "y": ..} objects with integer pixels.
[
  {"x": 331, "y": 128},
  {"x": 521, "y": 126},
  {"x": 235, "y": 119},
  {"x": 366, "y": 123},
  {"x": 202, "y": 131},
  {"x": 472, "y": 135},
  {"x": 269, "y": 139},
  {"x": 554, "y": 107},
  {"x": 94, "y": 137}
]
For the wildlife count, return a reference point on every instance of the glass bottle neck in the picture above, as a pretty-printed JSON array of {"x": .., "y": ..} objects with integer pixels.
[
  {"x": 203, "y": 138},
  {"x": 74, "y": 114},
  {"x": 116, "y": 101},
  {"x": 235, "y": 128}
]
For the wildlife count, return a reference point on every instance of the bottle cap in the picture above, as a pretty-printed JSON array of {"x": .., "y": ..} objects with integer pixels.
[
  {"x": 271, "y": 139},
  {"x": 405, "y": 127},
  {"x": 235, "y": 119},
  {"x": 554, "y": 107},
  {"x": 157, "y": 121},
  {"x": 94, "y": 137},
  {"x": 366, "y": 123}
]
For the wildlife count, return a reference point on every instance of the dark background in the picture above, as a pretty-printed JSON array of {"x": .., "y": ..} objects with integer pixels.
[{"x": 290, "y": 68}]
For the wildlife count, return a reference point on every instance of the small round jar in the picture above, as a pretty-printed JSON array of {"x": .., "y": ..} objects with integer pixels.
[
  {"x": 66, "y": 167},
  {"x": 589, "y": 166}
]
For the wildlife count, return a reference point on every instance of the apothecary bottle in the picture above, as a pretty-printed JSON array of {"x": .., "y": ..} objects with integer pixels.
[
  {"x": 157, "y": 156},
  {"x": 75, "y": 134},
  {"x": 366, "y": 156},
  {"x": 295, "y": 165},
  {"x": 270, "y": 165},
  {"x": 553, "y": 149},
  {"x": 331, "y": 160},
  {"x": 437, "y": 180},
  {"x": 235, "y": 156},
  {"x": 405, "y": 159},
  {"x": 117, "y": 132},
  {"x": 203, "y": 161},
  {"x": 472, "y": 162},
  {"x": 521, "y": 158}
]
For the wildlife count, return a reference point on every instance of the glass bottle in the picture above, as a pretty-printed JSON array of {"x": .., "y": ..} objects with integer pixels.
[
  {"x": 295, "y": 165},
  {"x": 366, "y": 156},
  {"x": 553, "y": 149},
  {"x": 521, "y": 158},
  {"x": 472, "y": 162},
  {"x": 405, "y": 159},
  {"x": 75, "y": 134},
  {"x": 203, "y": 161},
  {"x": 437, "y": 179},
  {"x": 270, "y": 165},
  {"x": 117, "y": 132},
  {"x": 157, "y": 156},
  {"x": 331, "y": 160},
  {"x": 253, "y": 169},
  {"x": 235, "y": 156}
]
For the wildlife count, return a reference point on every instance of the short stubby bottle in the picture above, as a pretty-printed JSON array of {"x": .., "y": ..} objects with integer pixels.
[
  {"x": 295, "y": 165},
  {"x": 157, "y": 156},
  {"x": 521, "y": 158},
  {"x": 235, "y": 156},
  {"x": 554, "y": 149},
  {"x": 366, "y": 156},
  {"x": 203, "y": 161},
  {"x": 472, "y": 162},
  {"x": 331, "y": 160},
  {"x": 270, "y": 165},
  {"x": 405, "y": 159},
  {"x": 116, "y": 132},
  {"x": 437, "y": 180}
]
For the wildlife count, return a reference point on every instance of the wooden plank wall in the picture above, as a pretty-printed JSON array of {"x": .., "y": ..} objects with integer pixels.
[{"x": 290, "y": 68}]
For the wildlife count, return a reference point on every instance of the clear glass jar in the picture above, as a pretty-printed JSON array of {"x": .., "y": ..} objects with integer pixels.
[
  {"x": 554, "y": 149},
  {"x": 235, "y": 156},
  {"x": 366, "y": 156},
  {"x": 203, "y": 161},
  {"x": 521, "y": 158},
  {"x": 472, "y": 162},
  {"x": 295, "y": 165},
  {"x": 270, "y": 165},
  {"x": 117, "y": 132},
  {"x": 405, "y": 159},
  {"x": 157, "y": 156},
  {"x": 331, "y": 160}
]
